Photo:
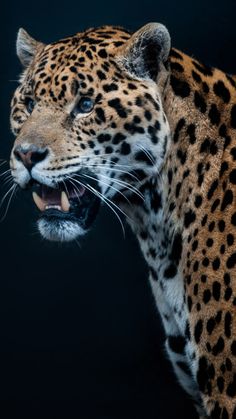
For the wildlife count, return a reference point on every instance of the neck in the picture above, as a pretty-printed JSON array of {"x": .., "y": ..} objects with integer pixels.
[{"x": 193, "y": 158}]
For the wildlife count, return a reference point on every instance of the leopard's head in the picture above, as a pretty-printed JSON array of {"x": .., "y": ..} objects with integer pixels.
[{"x": 88, "y": 121}]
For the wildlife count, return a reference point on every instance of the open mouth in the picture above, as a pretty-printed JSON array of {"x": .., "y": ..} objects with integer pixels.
[{"x": 67, "y": 210}]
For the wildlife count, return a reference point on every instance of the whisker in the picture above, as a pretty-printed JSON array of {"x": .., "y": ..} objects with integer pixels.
[
  {"x": 105, "y": 200},
  {"x": 13, "y": 189},
  {"x": 115, "y": 170},
  {"x": 4, "y": 173},
  {"x": 126, "y": 185},
  {"x": 110, "y": 186},
  {"x": 76, "y": 189},
  {"x": 7, "y": 181},
  {"x": 148, "y": 154},
  {"x": 6, "y": 194},
  {"x": 119, "y": 209}
]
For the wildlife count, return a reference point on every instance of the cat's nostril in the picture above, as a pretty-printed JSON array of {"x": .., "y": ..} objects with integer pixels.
[{"x": 31, "y": 155}]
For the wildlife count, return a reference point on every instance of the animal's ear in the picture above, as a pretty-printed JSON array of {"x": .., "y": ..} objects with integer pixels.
[
  {"x": 26, "y": 47},
  {"x": 145, "y": 53}
]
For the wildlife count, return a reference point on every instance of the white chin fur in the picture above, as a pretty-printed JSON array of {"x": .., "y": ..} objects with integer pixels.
[{"x": 60, "y": 231}]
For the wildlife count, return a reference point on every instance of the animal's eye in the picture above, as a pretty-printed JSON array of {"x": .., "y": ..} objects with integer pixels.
[
  {"x": 85, "y": 105},
  {"x": 29, "y": 103}
]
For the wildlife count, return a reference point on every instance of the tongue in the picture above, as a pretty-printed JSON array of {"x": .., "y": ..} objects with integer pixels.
[{"x": 51, "y": 196}]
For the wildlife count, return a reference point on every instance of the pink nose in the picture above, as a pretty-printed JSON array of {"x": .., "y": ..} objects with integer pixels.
[{"x": 31, "y": 155}]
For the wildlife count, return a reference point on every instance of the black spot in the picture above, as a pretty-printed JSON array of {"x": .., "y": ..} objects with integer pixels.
[
  {"x": 205, "y": 70},
  {"x": 170, "y": 271},
  {"x": 216, "y": 287},
  {"x": 196, "y": 76},
  {"x": 194, "y": 245},
  {"x": 228, "y": 324},
  {"x": 110, "y": 87},
  {"x": 177, "y": 343},
  {"x": 181, "y": 88},
  {"x": 178, "y": 128},
  {"x": 101, "y": 75},
  {"x": 212, "y": 189},
  {"x": 214, "y": 115},
  {"x": 189, "y": 218},
  {"x": 221, "y": 225},
  {"x": 198, "y": 201},
  {"x": 176, "y": 250},
  {"x": 227, "y": 199},
  {"x": 221, "y": 91},
  {"x": 232, "y": 176},
  {"x": 220, "y": 384},
  {"x": 233, "y": 219},
  {"x": 228, "y": 293},
  {"x": 233, "y": 153},
  {"x": 216, "y": 412},
  {"x": 231, "y": 262},
  {"x": 196, "y": 266},
  {"x": 213, "y": 148},
  {"x": 231, "y": 389},
  {"x": 223, "y": 168},
  {"x": 211, "y": 323},
  {"x": 152, "y": 271},
  {"x": 116, "y": 104},
  {"x": 206, "y": 296},
  {"x": 205, "y": 145},
  {"x": 132, "y": 86},
  {"x": 202, "y": 374},
  {"x": 191, "y": 132},
  {"x": 209, "y": 242},
  {"x": 205, "y": 262},
  {"x": 108, "y": 149},
  {"x": 177, "y": 189},
  {"x": 103, "y": 138},
  {"x": 133, "y": 128},
  {"x": 156, "y": 202},
  {"x": 175, "y": 54},
  {"x": 233, "y": 116},
  {"x": 218, "y": 347},
  {"x": 230, "y": 239},
  {"x": 144, "y": 235},
  {"x": 215, "y": 204},
  {"x": 102, "y": 53},
  {"x": 100, "y": 114},
  {"x": 190, "y": 303},
  {"x": 148, "y": 115},
  {"x": 144, "y": 157},
  {"x": 170, "y": 176},
  {"x": 125, "y": 148},
  {"x": 198, "y": 331},
  {"x": 118, "y": 137},
  {"x": 233, "y": 348},
  {"x": 181, "y": 155},
  {"x": 176, "y": 67},
  {"x": 205, "y": 87},
  {"x": 200, "y": 102}
]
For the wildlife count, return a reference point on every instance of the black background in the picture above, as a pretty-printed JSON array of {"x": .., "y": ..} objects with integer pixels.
[{"x": 79, "y": 335}]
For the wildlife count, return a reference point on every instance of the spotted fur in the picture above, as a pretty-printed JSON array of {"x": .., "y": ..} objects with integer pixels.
[{"x": 165, "y": 125}]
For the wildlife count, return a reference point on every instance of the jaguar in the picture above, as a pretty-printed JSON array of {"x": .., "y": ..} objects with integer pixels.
[{"x": 119, "y": 118}]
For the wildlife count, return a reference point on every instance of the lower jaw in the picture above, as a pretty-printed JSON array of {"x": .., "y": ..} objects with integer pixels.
[{"x": 59, "y": 230}]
